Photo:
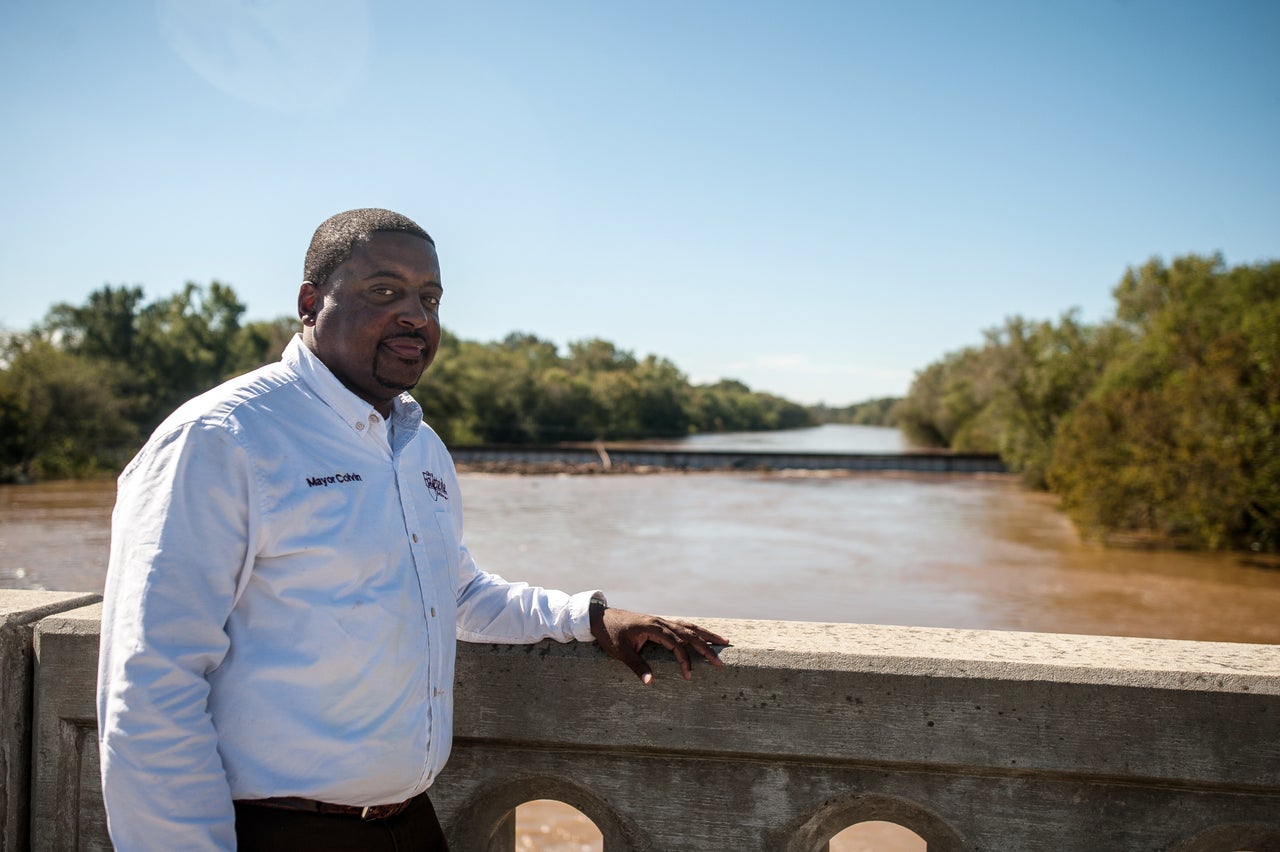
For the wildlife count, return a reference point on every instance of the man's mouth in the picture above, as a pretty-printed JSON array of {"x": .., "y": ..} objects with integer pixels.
[{"x": 409, "y": 348}]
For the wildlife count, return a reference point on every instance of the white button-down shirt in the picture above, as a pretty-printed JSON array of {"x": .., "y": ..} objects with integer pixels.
[{"x": 287, "y": 582}]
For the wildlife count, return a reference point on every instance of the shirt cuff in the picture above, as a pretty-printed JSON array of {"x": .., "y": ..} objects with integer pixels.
[{"x": 580, "y": 614}]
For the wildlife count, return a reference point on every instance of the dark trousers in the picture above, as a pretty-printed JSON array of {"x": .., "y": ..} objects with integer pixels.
[{"x": 269, "y": 829}]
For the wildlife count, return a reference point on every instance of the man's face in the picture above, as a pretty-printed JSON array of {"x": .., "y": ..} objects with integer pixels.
[{"x": 376, "y": 322}]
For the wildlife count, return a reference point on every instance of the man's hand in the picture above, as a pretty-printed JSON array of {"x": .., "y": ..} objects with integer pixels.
[{"x": 621, "y": 635}]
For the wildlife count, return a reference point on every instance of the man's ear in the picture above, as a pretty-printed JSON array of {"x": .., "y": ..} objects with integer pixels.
[{"x": 308, "y": 303}]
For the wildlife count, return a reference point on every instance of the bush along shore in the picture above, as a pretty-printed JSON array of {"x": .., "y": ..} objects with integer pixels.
[{"x": 1158, "y": 426}]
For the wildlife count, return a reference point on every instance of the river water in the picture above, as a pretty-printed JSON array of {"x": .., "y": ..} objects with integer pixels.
[{"x": 928, "y": 550}]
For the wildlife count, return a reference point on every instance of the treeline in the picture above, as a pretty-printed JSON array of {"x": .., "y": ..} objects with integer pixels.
[
  {"x": 82, "y": 389},
  {"x": 523, "y": 390},
  {"x": 1162, "y": 423},
  {"x": 882, "y": 411}
]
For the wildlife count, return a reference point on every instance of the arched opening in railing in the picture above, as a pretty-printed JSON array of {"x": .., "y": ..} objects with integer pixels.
[
  {"x": 488, "y": 820},
  {"x": 876, "y": 835},
  {"x": 549, "y": 825},
  {"x": 879, "y": 815}
]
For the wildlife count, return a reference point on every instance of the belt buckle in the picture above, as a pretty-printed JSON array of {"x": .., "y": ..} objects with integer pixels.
[{"x": 371, "y": 812}]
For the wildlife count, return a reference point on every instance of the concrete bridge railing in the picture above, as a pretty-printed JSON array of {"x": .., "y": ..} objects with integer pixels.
[{"x": 975, "y": 740}]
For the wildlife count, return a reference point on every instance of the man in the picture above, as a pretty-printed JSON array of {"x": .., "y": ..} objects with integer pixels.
[{"x": 288, "y": 579}]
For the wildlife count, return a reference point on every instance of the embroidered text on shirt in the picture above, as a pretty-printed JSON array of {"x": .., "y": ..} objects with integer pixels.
[
  {"x": 435, "y": 486},
  {"x": 313, "y": 481}
]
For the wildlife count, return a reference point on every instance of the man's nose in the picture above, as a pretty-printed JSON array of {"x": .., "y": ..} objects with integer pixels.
[{"x": 413, "y": 314}]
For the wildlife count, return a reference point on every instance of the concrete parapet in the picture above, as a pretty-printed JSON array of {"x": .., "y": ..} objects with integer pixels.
[
  {"x": 66, "y": 806},
  {"x": 19, "y": 613},
  {"x": 975, "y": 740}
]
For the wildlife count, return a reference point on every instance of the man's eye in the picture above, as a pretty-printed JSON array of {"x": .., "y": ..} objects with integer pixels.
[
  {"x": 431, "y": 301},
  {"x": 382, "y": 291}
]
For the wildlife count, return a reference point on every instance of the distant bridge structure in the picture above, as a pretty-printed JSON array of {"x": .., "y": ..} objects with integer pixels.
[{"x": 632, "y": 456}]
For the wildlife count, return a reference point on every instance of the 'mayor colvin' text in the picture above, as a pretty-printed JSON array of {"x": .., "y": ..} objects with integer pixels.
[{"x": 336, "y": 479}]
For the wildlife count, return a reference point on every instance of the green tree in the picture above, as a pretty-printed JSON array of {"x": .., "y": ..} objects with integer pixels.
[
  {"x": 260, "y": 342},
  {"x": 948, "y": 404},
  {"x": 724, "y": 406},
  {"x": 663, "y": 399},
  {"x": 1035, "y": 374},
  {"x": 170, "y": 349},
  {"x": 729, "y": 405},
  {"x": 186, "y": 344},
  {"x": 566, "y": 409},
  {"x": 443, "y": 392},
  {"x": 1010, "y": 395},
  {"x": 104, "y": 328},
  {"x": 62, "y": 415},
  {"x": 150, "y": 357},
  {"x": 599, "y": 356},
  {"x": 882, "y": 411},
  {"x": 1181, "y": 438}
]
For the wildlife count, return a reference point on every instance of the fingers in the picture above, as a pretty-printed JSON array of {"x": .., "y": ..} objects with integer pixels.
[
  {"x": 703, "y": 648},
  {"x": 709, "y": 637},
  {"x": 694, "y": 631},
  {"x": 623, "y": 635},
  {"x": 631, "y": 657},
  {"x": 678, "y": 646},
  {"x": 702, "y": 639},
  {"x": 658, "y": 632},
  {"x": 678, "y": 637}
]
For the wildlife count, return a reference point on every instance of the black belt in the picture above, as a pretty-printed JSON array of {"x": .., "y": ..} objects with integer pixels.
[{"x": 296, "y": 803}]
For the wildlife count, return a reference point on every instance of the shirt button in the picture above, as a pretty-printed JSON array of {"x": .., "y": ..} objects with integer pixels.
[
  {"x": 373, "y": 418},
  {"x": 433, "y": 612},
  {"x": 435, "y": 693},
  {"x": 415, "y": 538},
  {"x": 360, "y": 426}
]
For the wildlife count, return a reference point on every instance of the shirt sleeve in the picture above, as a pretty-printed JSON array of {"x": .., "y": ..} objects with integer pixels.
[
  {"x": 180, "y": 553},
  {"x": 491, "y": 609}
]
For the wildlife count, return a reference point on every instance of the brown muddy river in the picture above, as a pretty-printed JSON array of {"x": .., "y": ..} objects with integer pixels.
[
  {"x": 975, "y": 552},
  {"x": 971, "y": 552}
]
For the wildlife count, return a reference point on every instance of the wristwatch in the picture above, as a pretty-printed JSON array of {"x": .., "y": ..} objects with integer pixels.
[{"x": 599, "y": 599}]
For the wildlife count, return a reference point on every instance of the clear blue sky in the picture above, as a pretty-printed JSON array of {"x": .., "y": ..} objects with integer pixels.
[{"x": 815, "y": 198}]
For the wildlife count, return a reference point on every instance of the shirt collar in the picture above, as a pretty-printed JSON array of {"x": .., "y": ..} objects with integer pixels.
[{"x": 354, "y": 411}]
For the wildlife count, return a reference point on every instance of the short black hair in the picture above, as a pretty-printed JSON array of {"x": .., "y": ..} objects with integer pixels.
[{"x": 334, "y": 240}]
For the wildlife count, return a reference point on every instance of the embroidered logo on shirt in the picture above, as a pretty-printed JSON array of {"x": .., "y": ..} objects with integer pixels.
[
  {"x": 435, "y": 486},
  {"x": 337, "y": 478}
]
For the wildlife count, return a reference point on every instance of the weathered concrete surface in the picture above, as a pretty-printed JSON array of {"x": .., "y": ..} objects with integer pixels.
[
  {"x": 975, "y": 740},
  {"x": 67, "y": 811},
  {"x": 19, "y": 613}
]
